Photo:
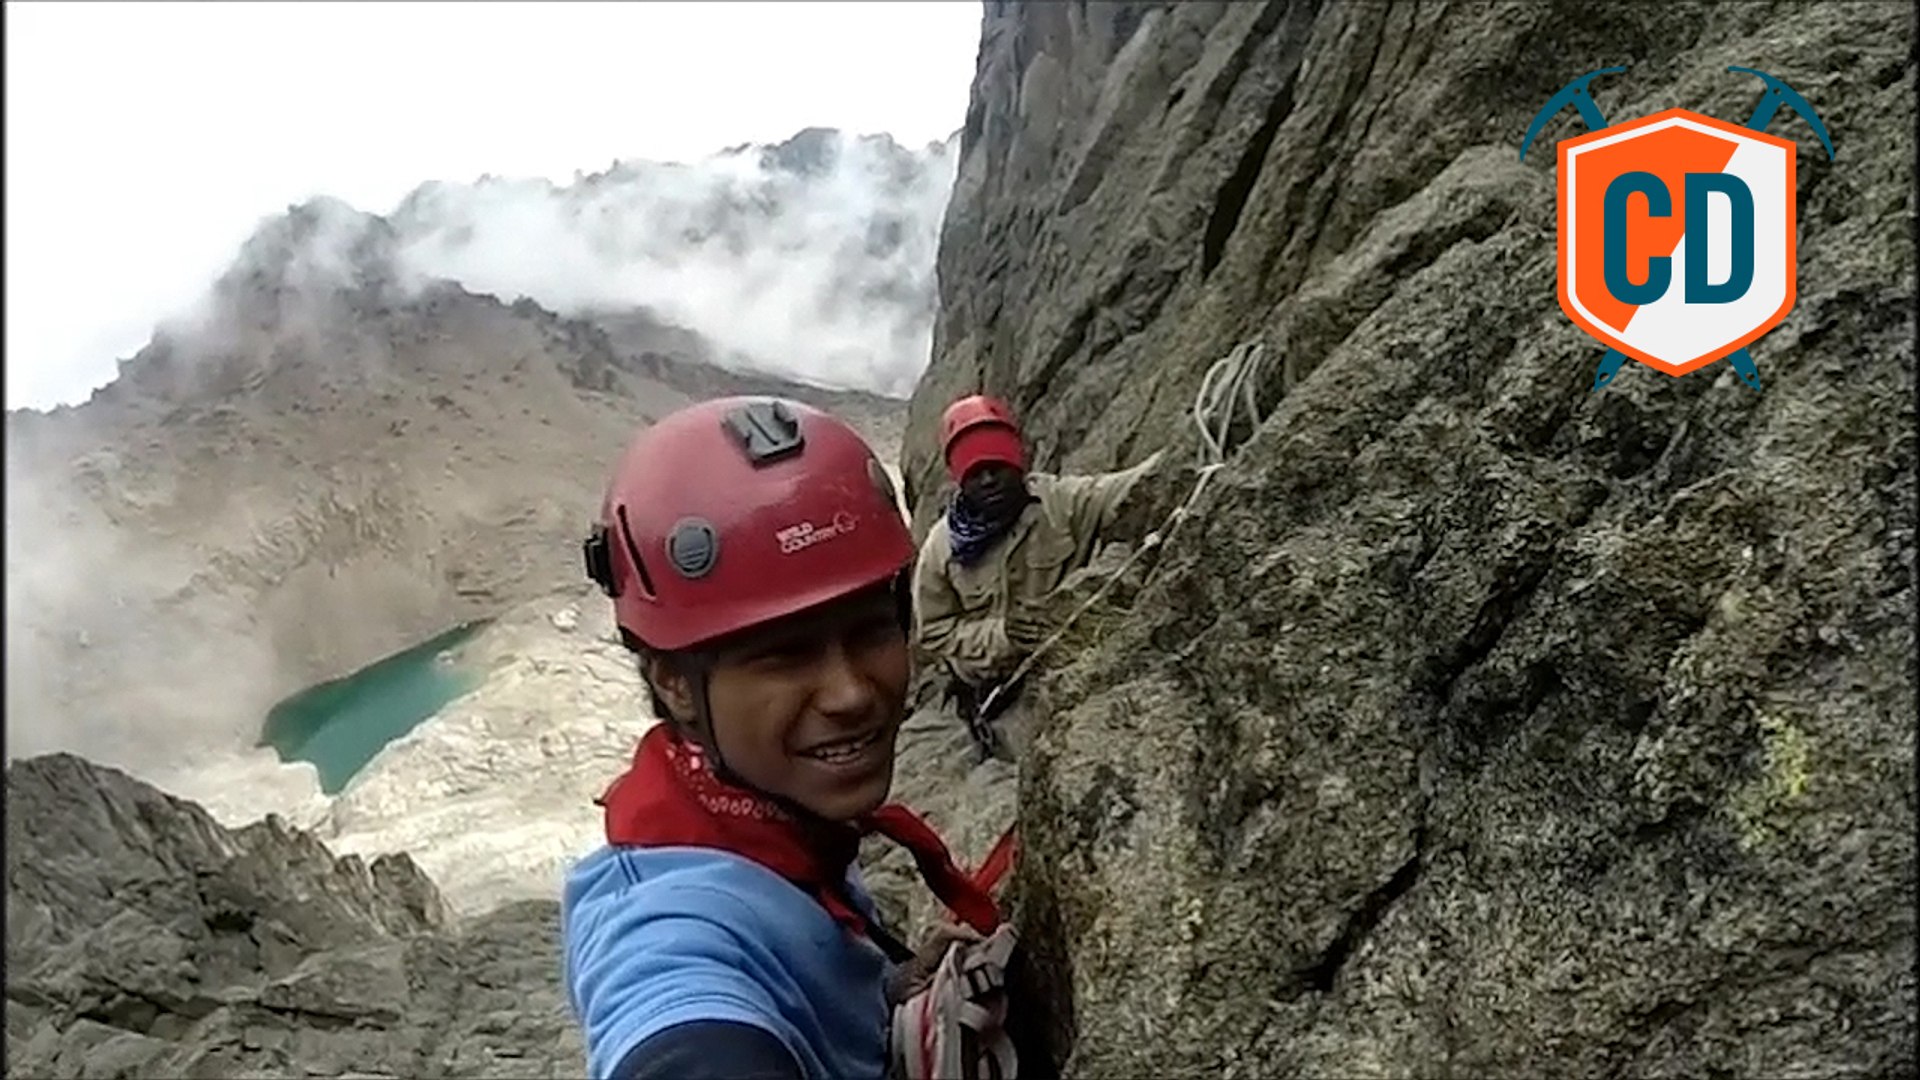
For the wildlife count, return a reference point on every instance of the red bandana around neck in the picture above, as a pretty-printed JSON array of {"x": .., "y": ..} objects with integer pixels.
[{"x": 671, "y": 798}]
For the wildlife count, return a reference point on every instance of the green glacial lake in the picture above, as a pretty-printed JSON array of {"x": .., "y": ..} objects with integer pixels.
[{"x": 340, "y": 725}]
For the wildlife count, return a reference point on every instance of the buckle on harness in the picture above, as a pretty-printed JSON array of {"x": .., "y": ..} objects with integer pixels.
[
  {"x": 946, "y": 1032},
  {"x": 982, "y": 978}
]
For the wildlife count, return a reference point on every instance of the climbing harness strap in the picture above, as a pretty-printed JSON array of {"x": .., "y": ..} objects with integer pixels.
[
  {"x": 980, "y": 730},
  {"x": 998, "y": 861},
  {"x": 955, "y": 1029}
]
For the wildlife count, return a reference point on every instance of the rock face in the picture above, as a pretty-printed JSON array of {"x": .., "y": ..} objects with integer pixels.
[
  {"x": 143, "y": 939},
  {"x": 1476, "y": 724}
]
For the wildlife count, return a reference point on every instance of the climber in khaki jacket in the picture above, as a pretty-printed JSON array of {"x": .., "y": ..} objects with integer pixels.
[{"x": 1009, "y": 537}]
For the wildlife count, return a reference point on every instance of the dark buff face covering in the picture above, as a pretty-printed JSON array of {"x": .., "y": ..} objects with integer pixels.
[{"x": 995, "y": 494}]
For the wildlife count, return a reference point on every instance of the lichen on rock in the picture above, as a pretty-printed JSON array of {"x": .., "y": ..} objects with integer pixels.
[{"x": 1478, "y": 724}]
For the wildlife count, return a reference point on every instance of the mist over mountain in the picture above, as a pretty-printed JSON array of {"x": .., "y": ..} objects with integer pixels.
[
  {"x": 359, "y": 438},
  {"x": 811, "y": 259}
]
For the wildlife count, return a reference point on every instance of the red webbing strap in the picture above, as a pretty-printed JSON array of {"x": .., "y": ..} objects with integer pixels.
[{"x": 998, "y": 861}]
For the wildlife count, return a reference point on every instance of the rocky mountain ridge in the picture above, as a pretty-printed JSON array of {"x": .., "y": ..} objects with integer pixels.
[
  {"x": 144, "y": 939},
  {"x": 814, "y": 255}
]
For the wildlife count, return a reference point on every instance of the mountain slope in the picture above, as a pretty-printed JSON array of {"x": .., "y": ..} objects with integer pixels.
[
  {"x": 812, "y": 257},
  {"x": 327, "y": 463},
  {"x": 1474, "y": 724}
]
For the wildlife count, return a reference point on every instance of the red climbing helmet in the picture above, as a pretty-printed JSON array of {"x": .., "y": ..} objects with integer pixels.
[
  {"x": 979, "y": 429},
  {"x": 738, "y": 511}
]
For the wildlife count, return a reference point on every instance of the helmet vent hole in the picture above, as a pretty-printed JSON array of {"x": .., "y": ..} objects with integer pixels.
[
  {"x": 693, "y": 547},
  {"x": 633, "y": 552}
]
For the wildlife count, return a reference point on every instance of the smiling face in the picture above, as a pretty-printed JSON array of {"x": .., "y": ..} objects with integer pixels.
[{"x": 808, "y": 707}]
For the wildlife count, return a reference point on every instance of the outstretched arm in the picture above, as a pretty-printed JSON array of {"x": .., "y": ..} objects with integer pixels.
[{"x": 1094, "y": 502}]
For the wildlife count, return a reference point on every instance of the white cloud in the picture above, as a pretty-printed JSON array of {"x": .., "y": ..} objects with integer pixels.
[
  {"x": 146, "y": 141},
  {"x": 826, "y": 275}
]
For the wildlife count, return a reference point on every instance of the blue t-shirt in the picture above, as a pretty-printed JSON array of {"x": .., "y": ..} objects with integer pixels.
[{"x": 661, "y": 936}]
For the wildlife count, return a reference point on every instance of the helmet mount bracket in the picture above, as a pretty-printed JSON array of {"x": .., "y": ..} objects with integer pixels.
[
  {"x": 767, "y": 431},
  {"x": 597, "y": 551}
]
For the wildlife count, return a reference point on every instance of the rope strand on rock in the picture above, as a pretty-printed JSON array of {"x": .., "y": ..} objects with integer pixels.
[{"x": 1228, "y": 382}]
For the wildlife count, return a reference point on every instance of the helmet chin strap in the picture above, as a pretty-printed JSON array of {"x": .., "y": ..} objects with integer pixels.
[
  {"x": 702, "y": 731},
  {"x": 903, "y": 602},
  {"x": 699, "y": 667}
]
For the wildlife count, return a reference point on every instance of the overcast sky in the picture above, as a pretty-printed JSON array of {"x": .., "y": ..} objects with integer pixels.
[{"x": 146, "y": 140}]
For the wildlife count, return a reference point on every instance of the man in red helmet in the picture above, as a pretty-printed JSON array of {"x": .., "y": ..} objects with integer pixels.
[
  {"x": 757, "y": 562},
  {"x": 1009, "y": 538}
]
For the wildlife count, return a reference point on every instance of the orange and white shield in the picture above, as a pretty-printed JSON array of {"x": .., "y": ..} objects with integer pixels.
[{"x": 1677, "y": 237}]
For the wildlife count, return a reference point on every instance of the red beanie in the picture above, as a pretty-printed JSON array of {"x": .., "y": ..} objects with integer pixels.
[{"x": 981, "y": 444}]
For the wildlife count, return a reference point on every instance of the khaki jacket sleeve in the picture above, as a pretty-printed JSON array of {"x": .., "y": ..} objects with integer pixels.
[
  {"x": 1092, "y": 502},
  {"x": 973, "y": 644}
]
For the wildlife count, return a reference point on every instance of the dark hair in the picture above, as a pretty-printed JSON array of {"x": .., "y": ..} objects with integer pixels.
[{"x": 641, "y": 655}]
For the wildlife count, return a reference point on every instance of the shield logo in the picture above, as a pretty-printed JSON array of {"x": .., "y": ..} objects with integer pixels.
[{"x": 1677, "y": 237}]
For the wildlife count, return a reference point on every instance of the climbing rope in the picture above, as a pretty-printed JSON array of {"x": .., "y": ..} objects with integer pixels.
[{"x": 1230, "y": 381}]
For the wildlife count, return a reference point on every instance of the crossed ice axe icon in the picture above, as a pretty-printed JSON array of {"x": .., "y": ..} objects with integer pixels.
[{"x": 1776, "y": 95}]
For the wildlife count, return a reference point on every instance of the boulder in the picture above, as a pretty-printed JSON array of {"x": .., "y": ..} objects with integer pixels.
[{"x": 145, "y": 939}]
